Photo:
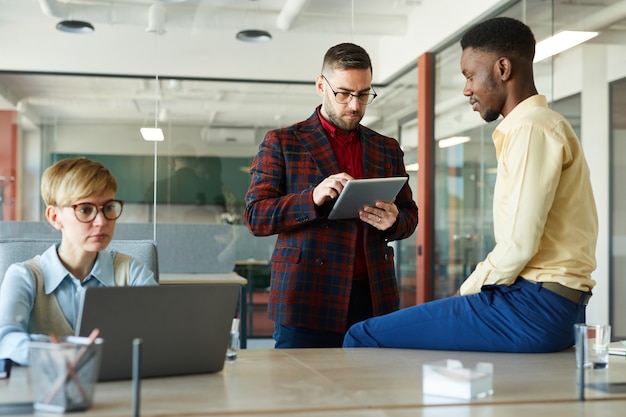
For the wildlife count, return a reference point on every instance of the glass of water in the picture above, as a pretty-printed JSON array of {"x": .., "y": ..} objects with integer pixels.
[
  {"x": 592, "y": 345},
  {"x": 233, "y": 342}
]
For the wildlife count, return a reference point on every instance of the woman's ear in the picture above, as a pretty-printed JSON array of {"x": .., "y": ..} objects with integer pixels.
[{"x": 52, "y": 215}]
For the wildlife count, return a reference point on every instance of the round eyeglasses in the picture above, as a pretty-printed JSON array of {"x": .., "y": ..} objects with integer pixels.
[
  {"x": 87, "y": 212},
  {"x": 342, "y": 97}
]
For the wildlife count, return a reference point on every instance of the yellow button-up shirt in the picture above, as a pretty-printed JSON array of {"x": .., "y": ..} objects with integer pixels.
[{"x": 544, "y": 212}]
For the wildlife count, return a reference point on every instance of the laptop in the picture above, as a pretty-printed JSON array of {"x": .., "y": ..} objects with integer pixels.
[{"x": 184, "y": 328}]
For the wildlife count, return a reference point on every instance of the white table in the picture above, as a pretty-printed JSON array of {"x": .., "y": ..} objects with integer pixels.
[{"x": 356, "y": 382}]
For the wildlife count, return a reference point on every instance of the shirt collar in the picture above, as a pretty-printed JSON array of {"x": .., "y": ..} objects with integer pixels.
[
  {"x": 103, "y": 269},
  {"x": 520, "y": 111},
  {"x": 56, "y": 271}
]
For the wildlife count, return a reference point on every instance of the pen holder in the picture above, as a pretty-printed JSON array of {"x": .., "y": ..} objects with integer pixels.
[{"x": 64, "y": 374}]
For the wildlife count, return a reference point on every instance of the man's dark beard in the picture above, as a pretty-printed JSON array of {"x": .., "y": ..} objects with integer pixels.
[
  {"x": 490, "y": 116},
  {"x": 492, "y": 87}
]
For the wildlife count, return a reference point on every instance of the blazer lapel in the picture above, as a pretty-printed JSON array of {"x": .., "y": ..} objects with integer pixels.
[
  {"x": 313, "y": 138},
  {"x": 373, "y": 155}
]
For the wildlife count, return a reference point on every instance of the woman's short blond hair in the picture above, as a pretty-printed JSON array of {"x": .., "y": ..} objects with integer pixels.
[{"x": 69, "y": 180}]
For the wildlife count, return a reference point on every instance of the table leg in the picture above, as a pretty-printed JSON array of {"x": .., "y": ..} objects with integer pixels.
[
  {"x": 250, "y": 300},
  {"x": 243, "y": 313}
]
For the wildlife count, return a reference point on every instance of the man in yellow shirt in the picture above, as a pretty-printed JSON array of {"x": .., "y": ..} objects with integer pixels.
[{"x": 533, "y": 286}]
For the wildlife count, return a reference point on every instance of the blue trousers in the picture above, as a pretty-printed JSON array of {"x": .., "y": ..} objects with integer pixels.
[{"x": 523, "y": 317}]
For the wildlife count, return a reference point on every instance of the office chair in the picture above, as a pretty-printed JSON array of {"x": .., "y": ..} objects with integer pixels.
[{"x": 20, "y": 249}]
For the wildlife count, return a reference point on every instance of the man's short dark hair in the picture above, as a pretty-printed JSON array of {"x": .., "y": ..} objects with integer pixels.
[
  {"x": 501, "y": 35},
  {"x": 346, "y": 56}
]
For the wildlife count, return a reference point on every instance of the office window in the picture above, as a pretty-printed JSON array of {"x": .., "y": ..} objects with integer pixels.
[{"x": 618, "y": 208}]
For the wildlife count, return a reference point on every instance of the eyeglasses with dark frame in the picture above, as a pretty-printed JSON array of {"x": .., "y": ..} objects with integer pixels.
[
  {"x": 87, "y": 212},
  {"x": 345, "y": 97}
]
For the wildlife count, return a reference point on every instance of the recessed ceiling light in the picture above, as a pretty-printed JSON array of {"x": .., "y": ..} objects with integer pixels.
[
  {"x": 254, "y": 35},
  {"x": 152, "y": 134},
  {"x": 75, "y": 26}
]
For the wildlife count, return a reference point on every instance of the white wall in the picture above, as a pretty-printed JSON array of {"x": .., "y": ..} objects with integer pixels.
[
  {"x": 427, "y": 29},
  {"x": 595, "y": 140}
]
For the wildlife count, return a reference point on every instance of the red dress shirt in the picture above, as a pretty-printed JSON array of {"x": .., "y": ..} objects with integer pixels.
[{"x": 347, "y": 148}]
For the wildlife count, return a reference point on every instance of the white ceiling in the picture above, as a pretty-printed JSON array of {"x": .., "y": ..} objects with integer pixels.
[{"x": 205, "y": 75}]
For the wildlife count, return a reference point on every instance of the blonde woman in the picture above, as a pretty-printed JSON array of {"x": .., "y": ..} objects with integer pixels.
[{"x": 43, "y": 294}]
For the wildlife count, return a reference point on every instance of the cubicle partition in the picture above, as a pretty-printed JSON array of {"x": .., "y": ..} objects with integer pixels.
[
  {"x": 183, "y": 248},
  {"x": 187, "y": 253}
]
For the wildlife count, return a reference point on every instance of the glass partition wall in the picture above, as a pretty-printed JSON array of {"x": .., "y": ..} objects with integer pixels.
[{"x": 201, "y": 169}]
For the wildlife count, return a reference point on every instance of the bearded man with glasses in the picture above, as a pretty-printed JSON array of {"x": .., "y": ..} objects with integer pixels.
[
  {"x": 42, "y": 295},
  {"x": 328, "y": 274}
]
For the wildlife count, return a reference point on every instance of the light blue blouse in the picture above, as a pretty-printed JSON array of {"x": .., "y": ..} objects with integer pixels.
[{"x": 17, "y": 295}]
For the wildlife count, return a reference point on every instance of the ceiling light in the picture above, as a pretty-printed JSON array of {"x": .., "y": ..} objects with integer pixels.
[
  {"x": 254, "y": 35},
  {"x": 453, "y": 141},
  {"x": 75, "y": 26},
  {"x": 560, "y": 42},
  {"x": 152, "y": 134}
]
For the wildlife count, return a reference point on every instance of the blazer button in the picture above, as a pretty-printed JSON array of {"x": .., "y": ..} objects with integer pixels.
[{"x": 319, "y": 261}]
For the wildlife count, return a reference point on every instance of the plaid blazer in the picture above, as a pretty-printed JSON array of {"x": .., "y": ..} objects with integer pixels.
[{"x": 313, "y": 260}]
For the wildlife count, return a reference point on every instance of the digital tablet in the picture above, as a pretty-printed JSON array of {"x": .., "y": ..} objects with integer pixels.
[{"x": 365, "y": 192}]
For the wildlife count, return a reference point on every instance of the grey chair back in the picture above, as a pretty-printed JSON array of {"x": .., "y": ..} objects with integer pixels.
[{"x": 20, "y": 249}]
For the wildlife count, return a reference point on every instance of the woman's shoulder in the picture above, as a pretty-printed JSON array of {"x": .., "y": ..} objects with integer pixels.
[
  {"x": 20, "y": 274},
  {"x": 139, "y": 272}
]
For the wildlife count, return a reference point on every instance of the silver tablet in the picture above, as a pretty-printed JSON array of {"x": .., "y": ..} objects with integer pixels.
[{"x": 365, "y": 192}]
